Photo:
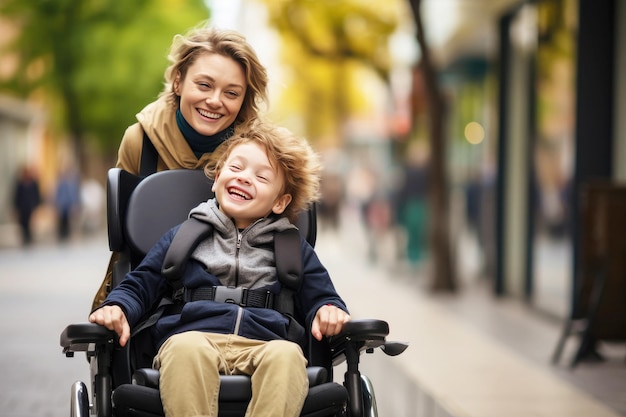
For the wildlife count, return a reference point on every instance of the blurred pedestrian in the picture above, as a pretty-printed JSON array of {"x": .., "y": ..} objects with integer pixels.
[
  {"x": 413, "y": 205},
  {"x": 26, "y": 199},
  {"x": 378, "y": 222},
  {"x": 92, "y": 197},
  {"x": 360, "y": 189},
  {"x": 67, "y": 202},
  {"x": 330, "y": 202}
]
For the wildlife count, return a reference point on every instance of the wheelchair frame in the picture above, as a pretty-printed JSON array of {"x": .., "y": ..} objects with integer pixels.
[{"x": 100, "y": 344}]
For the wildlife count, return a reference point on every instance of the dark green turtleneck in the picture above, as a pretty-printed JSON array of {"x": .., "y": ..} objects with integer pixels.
[{"x": 199, "y": 143}]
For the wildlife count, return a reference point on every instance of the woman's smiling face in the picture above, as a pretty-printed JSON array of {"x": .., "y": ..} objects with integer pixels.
[
  {"x": 248, "y": 187},
  {"x": 212, "y": 93}
]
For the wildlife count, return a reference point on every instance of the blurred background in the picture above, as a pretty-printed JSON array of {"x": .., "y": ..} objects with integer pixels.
[{"x": 461, "y": 135}]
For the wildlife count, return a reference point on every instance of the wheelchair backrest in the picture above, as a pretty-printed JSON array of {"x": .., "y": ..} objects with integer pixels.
[{"x": 140, "y": 211}]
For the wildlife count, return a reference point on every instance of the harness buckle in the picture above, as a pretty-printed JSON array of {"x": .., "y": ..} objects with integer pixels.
[
  {"x": 231, "y": 295},
  {"x": 179, "y": 294}
]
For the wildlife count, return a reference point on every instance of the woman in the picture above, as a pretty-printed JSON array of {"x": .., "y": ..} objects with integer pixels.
[{"x": 214, "y": 84}]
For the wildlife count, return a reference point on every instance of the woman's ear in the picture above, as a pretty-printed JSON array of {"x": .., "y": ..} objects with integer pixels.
[
  {"x": 176, "y": 84},
  {"x": 281, "y": 204}
]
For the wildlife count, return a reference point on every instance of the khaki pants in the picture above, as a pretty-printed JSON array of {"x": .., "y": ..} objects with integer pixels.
[{"x": 190, "y": 364}]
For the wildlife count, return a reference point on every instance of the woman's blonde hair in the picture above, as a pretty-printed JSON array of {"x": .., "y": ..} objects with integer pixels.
[
  {"x": 186, "y": 48},
  {"x": 290, "y": 154}
]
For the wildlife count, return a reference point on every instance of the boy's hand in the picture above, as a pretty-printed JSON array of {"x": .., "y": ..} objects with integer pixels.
[
  {"x": 328, "y": 321},
  {"x": 113, "y": 318}
]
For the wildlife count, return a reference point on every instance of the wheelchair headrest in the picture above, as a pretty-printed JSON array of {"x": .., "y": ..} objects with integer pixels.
[
  {"x": 140, "y": 211},
  {"x": 162, "y": 201}
]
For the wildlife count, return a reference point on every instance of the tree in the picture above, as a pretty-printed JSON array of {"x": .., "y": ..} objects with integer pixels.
[
  {"x": 324, "y": 40},
  {"x": 444, "y": 268},
  {"x": 326, "y": 43},
  {"x": 93, "y": 64}
]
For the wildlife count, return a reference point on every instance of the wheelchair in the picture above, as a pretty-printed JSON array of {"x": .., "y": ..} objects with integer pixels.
[{"x": 139, "y": 212}]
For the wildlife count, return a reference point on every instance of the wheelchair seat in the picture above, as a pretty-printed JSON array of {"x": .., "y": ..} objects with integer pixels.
[{"x": 139, "y": 212}]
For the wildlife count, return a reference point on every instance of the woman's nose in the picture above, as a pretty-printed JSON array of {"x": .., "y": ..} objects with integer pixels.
[{"x": 213, "y": 98}]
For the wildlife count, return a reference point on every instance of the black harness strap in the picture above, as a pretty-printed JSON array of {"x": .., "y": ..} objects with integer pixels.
[
  {"x": 189, "y": 235},
  {"x": 288, "y": 258},
  {"x": 149, "y": 157},
  {"x": 241, "y": 296},
  {"x": 288, "y": 268}
]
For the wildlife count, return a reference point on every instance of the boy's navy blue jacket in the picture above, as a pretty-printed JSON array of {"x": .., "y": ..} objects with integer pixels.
[{"x": 143, "y": 289}]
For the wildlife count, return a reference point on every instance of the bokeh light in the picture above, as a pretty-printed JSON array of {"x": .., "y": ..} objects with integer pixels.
[{"x": 474, "y": 133}]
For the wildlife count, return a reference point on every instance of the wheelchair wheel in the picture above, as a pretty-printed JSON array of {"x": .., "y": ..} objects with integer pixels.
[
  {"x": 370, "y": 408},
  {"x": 79, "y": 406}
]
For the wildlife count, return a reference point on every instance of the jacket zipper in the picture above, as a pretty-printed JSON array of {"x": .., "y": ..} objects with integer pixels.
[
  {"x": 239, "y": 237},
  {"x": 240, "y": 234},
  {"x": 238, "y": 321},
  {"x": 238, "y": 247}
]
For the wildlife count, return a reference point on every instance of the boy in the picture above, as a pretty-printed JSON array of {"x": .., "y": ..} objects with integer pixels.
[{"x": 263, "y": 178}]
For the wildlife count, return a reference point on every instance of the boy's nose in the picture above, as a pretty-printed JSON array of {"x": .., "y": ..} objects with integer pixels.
[{"x": 243, "y": 177}]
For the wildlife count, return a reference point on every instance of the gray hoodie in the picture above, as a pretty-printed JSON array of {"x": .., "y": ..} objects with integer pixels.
[{"x": 238, "y": 258}]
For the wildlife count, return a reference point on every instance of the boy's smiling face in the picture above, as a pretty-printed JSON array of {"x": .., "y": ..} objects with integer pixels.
[{"x": 248, "y": 187}]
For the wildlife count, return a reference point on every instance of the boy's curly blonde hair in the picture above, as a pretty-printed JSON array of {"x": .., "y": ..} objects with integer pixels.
[{"x": 288, "y": 153}]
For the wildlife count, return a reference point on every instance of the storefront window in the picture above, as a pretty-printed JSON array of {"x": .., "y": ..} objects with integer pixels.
[{"x": 553, "y": 155}]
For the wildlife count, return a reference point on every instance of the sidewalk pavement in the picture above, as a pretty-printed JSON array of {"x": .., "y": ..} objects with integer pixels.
[
  {"x": 44, "y": 288},
  {"x": 470, "y": 355}
]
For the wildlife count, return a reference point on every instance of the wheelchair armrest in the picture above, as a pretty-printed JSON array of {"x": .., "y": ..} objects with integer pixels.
[
  {"x": 364, "y": 329},
  {"x": 361, "y": 334},
  {"x": 364, "y": 334},
  {"x": 356, "y": 336},
  {"x": 78, "y": 337}
]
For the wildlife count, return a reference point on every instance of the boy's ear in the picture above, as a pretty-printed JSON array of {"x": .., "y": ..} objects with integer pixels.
[
  {"x": 214, "y": 181},
  {"x": 281, "y": 203}
]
